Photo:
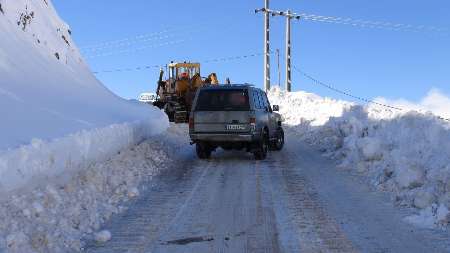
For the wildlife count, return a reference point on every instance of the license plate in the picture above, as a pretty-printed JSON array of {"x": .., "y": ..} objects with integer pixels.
[{"x": 235, "y": 127}]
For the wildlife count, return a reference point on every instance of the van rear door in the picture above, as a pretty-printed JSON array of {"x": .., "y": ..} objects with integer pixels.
[{"x": 222, "y": 111}]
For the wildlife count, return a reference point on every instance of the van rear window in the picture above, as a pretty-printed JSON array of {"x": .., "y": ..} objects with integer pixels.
[{"x": 223, "y": 100}]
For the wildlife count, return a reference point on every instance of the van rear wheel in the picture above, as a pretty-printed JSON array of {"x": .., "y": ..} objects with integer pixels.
[
  {"x": 203, "y": 150},
  {"x": 263, "y": 148},
  {"x": 278, "y": 143}
]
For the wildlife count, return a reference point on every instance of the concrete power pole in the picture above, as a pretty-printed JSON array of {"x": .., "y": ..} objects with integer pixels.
[
  {"x": 266, "y": 43},
  {"x": 289, "y": 15},
  {"x": 278, "y": 67},
  {"x": 267, "y": 47},
  {"x": 288, "y": 52}
]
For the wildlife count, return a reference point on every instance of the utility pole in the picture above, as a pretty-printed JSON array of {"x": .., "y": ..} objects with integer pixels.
[
  {"x": 289, "y": 16},
  {"x": 266, "y": 44},
  {"x": 278, "y": 65},
  {"x": 288, "y": 52}
]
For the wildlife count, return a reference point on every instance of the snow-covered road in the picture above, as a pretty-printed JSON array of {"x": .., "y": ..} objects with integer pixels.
[{"x": 296, "y": 201}]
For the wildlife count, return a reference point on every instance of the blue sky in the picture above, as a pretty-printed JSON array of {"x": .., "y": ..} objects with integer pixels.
[{"x": 367, "y": 62}]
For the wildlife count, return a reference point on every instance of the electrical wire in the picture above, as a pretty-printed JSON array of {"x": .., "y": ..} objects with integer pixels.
[
  {"x": 232, "y": 58},
  {"x": 348, "y": 94},
  {"x": 126, "y": 44},
  {"x": 179, "y": 31},
  {"x": 124, "y": 40},
  {"x": 374, "y": 24},
  {"x": 134, "y": 50},
  {"x": 136, "y": 42},
  {"x": 222, "y": 59},
  {"x": 128, "y": 69}
]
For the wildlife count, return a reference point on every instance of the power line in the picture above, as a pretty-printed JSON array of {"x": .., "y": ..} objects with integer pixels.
[
  {"x": 348, "y": 94},
  {"x": 124, "y": 40},
  {"x": 374, "y": 24},
  {"x": 222, "y": 59},
  {"x": 175, "y": 42},
  {"x": 232, "y": 58},
  {"x": 140, "y": 40},
  {"x": 167, "y": 33},
  {"x": 126, "y": 44},
  {"x": 128, "y": 69},
  {"x": 131, "y": 45},
  {"x": 328, "y": 86}
]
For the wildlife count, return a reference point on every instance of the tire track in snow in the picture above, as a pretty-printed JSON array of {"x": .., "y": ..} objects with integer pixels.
[
  {"x": 295, "y": 201},
  {"x": 232, "y": 210},
  {"x": 311, "y": 228},
  {"x": 233, "y": 204},
  {"x": 147, "y": 218},
  {"x": 182, "y": 208}
]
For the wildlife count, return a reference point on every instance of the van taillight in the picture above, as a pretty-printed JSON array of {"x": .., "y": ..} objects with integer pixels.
[
  {"x": 191, "y": 122},
  {"x": 252, "y": 121}
]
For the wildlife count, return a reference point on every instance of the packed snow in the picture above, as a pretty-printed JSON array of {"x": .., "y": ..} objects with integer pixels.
[{"x": 405, "y": 153}]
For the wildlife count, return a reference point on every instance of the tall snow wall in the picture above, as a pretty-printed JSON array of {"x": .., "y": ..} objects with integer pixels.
[{"x": 54, "y": 114}]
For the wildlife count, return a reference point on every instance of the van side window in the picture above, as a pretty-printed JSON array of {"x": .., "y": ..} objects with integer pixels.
[
  {"x": 266, "y": 102},
  {"x": 261, "y": 101},
  {"x": 255, "y": 100}
]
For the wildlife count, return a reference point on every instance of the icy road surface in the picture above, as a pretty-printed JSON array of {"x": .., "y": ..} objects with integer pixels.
[{"x": 295, "y": 201}]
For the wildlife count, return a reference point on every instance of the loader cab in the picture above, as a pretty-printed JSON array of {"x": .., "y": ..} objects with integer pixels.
[
  {"x": 182, "y": 71},
  {"x": 179, "y": 71}
]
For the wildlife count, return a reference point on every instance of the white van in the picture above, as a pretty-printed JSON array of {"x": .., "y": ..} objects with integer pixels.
[{"x": 148, "y": 98}]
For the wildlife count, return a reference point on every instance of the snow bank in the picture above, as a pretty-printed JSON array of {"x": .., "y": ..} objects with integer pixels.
[
  {"x": 56, "y": 117},
  {"x": 68, "y": 154},
  {"x": 41, "y": 161},
  {"x": 56, "y": 216},
  {"x": 435, "y": 101},
  {"x": 406, "y": 154},
  {"x": 315, "y": 110}
]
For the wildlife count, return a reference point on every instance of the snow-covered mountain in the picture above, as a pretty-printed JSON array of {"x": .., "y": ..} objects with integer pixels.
[
  {"x": 55, "y": 115},
  {"x": 46, "y": 89},
  {"x": 59, "y": 128}
]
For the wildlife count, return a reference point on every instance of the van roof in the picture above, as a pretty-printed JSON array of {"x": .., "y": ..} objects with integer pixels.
[{"x": 228, "y": 86}]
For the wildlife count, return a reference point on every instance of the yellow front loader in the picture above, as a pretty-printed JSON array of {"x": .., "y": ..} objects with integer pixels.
[{"x": 175, "y": 94}]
